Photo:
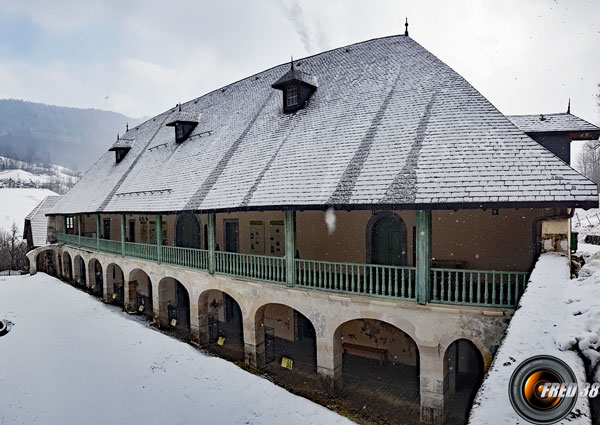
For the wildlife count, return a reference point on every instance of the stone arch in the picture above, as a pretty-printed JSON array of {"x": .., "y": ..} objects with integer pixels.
[
  {"x": 386, "y": 226},
  {"x": 140, "y": 289},
  {"x": 96, "y": 277},
  {"x": 221, "y": 324},
  {"x": 377, "y": 357},
  {"x": 463, "y": 375},
  {"x": 115, "y": 284},
  {"x": 79, "y": 274},
  {"x": 67, "y": 267},
  {"x": 282, "y": 331},
  {"x": 174, "y": 305},
  {"x": 187, "y": 231}
]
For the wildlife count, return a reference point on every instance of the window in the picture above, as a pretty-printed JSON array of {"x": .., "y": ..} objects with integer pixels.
[
  {"x": 70, "y": 223},
  {"x": 179, "y": 131},
  {"x": 292, "y": 96}
]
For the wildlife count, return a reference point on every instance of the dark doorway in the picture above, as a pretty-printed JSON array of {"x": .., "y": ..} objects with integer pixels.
[
  {"x": 106, "y": 228},
  {"x": 131, "y": 230},
  {"x": 231, "y": 235},
  {"x": 98, "y": 283}
]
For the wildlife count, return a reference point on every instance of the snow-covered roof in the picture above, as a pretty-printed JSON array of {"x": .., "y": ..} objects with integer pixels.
[
  {"x": 294, "y": 74},
  {"x": 550, "y": 123},
  {"x": 122, "y": 143},
  {"x": 389, "y": 125},
  {"x": 39, "y": 221},
  {"x": 184, "y": 116}
]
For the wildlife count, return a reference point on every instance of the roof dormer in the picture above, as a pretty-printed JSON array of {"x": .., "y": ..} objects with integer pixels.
[
  {"x": 184, "y": 123},
  {"x": 297, "y": 87},
  {"x": 121, "y": 147}
]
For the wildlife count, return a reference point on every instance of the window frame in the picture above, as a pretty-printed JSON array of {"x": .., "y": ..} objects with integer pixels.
[{"x": 295, "y": 95}]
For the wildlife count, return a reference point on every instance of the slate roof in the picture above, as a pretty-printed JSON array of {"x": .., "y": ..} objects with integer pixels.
[
  {"x": 543, "y": 123},
  {"x": 122, "y": 144},
  {"x": 294, "y": 74},
  {"x": 39, "y": 221},
  {"x": 389, "y": 125}
]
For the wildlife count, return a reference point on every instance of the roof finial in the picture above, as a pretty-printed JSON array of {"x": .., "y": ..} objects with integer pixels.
[
  {"x": 406, "y": 27},
  {"x": 569, "y": 107},
  {"x": 126, "y": 126},
  {"x": 179, "y": 106},
  {"x": 117, "y": 136},
  {"x": 292, "y": 63}
]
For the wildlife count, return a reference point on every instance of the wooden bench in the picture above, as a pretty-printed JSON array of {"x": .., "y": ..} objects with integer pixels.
[{"x": 365, "y": 351}]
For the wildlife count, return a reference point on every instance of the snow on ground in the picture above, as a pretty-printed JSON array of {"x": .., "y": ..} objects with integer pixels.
[
  {"x": 70, "y": 359},
  {"x": 543, "y": 324},
  {"x": 15, "y": 204},
  {"x": 586, "y": 222},
  {"x": 25, "y": 176}
]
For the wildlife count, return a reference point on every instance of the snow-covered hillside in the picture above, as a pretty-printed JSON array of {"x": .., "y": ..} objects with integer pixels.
[
  {"x": 71, "y": 359},
  {"x": 19, "y": 174},
  {"x": 15, "y": 204}
]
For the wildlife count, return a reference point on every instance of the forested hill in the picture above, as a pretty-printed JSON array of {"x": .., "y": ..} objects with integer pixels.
[{"x": 72, "y": 137}]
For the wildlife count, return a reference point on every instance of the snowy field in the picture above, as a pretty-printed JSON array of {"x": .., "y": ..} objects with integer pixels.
[
  {"x": 555, "y": 315},
  {"x": 70, "y": 359},
  {"x": 15, "y": 204}
]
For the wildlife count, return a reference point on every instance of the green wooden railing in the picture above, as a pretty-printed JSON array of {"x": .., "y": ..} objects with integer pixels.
[
  {"x": 448, "y": 286},
  {"x": 477, "y": 287},
  {"x": 262, "y": 267},
  {"x": 143, "y": 251},
  {"x": 114, "y": 247},
  {"x": 187, "y": 257},
  {"x": 366, "y": 279}
]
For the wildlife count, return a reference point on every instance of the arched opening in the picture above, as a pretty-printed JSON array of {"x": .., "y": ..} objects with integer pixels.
[
  {"x": 40, "y": 262},
  {"x": 96, "y": 277},
  {"x": 187, "y": 232},
  {"x": 386, "y": 239},
  {"x": 115, "y": 285},
  {"x": 140, "y": 289},
  {"x": 287, "y": 334},
  {"x": 221, "y": 324},
  {"x": 174, "y": 306},
  {"x": 79, "y": 271},
  {"x": 67, "y": 267},
  {"x": 463, "y": 372},
  {"x": 45, "y": 262},
  {"x": 380, "y": 369}
]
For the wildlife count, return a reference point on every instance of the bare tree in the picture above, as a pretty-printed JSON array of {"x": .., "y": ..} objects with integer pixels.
[{"x": 588, "y": 160}]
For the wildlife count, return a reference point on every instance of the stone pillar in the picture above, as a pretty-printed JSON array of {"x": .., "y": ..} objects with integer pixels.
[
  {"x": 212, "y": 241},
  {"x": 254, "y": 344},
  {"x": 130, "y": 290},
  {"x": 105, "y": 294},
  {"x": 329, "y": 363},
  {"x": 194, "y": 317},
  {"x": 290, "y": 246},
  {"x": 156, "y": 301},
  {"x": 433, "y": 384},
  {"x": 423, "y": 241}
]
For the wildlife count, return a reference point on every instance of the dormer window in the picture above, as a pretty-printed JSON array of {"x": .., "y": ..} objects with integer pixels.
[
  {"x": 121, "y": 147},
  {"x": 297, "y": 87},
  {"x": 292, "y": 96},
  {"x": 184, "y": 123}
]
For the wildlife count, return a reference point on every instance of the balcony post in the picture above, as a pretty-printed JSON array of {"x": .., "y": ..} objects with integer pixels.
[
  {"x": 212, "y": 240},
  {"x": 158, "y": 238},
  {"x": 97, "y": 232},
  {"x": 290, "y": 246},
  {"x": 122, "y": 235},
  {"x": 79, "y": 230},
  {"x": 423, "y": 257}
]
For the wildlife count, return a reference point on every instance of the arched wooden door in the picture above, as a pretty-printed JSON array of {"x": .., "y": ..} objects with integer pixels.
[
  {"x": 388, "y": 240},
  {"x": 187, "y": 233}
]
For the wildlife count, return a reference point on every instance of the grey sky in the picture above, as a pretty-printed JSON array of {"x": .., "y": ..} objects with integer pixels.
[{"x": 143, "y": 57}]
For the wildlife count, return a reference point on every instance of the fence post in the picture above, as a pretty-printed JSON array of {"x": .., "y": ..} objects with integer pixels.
[
  {"x": 290, "y": 246},
  {"x": 212, "y": 239},
  {"x": 158, "y": 238},
  {"x": 122, "y": 218},
  {"x": 79, "y": 230},
  {"x": 97, "y": 232},
  {"x": 423, "y": 236}
]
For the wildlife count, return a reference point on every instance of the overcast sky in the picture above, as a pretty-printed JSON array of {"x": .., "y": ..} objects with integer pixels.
[{"x": 142, "y": 57}]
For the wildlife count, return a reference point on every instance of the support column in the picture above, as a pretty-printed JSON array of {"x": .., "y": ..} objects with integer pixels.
[
  {"x": 423, "y": 240},
  {"x": 290, "y": 246},
  {"x": 97, "y": 232},
  {"x": 79, "y": 230},
  {"x": 158, "y": 238},
  {"x": 433, "y": 385},
  {"x": 212, "y": 241},
  {"x": 122, "y": 234},
  {"x": 329, "y": 363},
  {"x": 254, "y": 344}
]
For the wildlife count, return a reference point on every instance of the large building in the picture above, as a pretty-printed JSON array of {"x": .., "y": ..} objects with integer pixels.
[{"x": 363, "y": 212}]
